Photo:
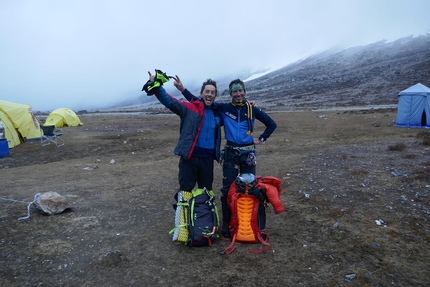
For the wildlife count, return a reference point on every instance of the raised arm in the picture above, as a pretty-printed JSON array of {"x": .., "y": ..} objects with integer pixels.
[
  {"x": 173, "y": 104},
  {"x": 187, "y": 94}
]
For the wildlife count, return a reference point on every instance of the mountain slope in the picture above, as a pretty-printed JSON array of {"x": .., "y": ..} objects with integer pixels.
[
  {"x": 364, "y": 75},
  {"x": 358, "y": 76}
]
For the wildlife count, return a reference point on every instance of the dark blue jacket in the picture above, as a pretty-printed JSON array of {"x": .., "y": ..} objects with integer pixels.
[
  {"x": 200, "y": 132},
  {"x": 235, "y": 121}
]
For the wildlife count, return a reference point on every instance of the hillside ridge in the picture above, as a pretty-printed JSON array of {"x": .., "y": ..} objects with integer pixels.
[
  {"x": 361, "y": 76},
  {"x": 364, "y": 75}
]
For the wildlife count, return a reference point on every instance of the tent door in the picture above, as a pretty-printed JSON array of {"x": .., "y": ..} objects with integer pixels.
[{"x": 424, "y": 119}]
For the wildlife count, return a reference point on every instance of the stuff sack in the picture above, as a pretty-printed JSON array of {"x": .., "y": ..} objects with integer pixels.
[
  {"x": 180, "y": 232},
  {"x": 196, "y": 218},
  {"x": 247, "y": 199},
  {"x": 273, "y": 190}
]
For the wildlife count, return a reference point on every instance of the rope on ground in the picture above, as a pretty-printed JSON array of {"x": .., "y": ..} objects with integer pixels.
[
  {"x": 28, "y": 206},
  {"x": 14, "y": 200}
]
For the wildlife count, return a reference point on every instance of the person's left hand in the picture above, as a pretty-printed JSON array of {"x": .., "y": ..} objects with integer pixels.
[
  {"x": 178, "y": 84},
  {"x": 257, "y": 141}
]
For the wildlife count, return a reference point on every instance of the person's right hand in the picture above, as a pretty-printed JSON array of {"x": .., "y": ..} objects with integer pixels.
[
  {"x": 151, "y": 76},
  {"x": 178, "y": 84},
  {"x": 150, "y": 86}
]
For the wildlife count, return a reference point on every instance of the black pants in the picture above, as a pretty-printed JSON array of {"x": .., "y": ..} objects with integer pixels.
[
  {"x": 198, "y": 170},
  {"x": 235, "y": 162}
]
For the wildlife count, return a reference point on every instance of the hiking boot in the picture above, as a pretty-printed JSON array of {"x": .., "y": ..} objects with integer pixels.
[
  {"x": 225, "y": 230},
  {"x": 226, "y": 234}
]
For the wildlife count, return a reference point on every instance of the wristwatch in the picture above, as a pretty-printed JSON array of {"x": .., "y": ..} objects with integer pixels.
[{"x": 262, "y": 139}]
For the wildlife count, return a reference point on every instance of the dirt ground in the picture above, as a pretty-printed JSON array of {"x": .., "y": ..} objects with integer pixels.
[{"x": 356, "y": 192}]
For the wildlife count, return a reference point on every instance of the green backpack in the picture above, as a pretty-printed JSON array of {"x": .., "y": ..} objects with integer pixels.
[{"x": 196, "y": 218}]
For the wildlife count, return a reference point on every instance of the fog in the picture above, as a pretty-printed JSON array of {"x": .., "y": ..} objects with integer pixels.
[{"x": 92, "y": 53}]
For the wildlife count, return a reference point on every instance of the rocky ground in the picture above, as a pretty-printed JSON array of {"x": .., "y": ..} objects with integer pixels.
[{"x": 356, "y": 192}]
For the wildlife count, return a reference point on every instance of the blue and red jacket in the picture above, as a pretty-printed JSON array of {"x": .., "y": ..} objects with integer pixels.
[{"x": 200, "y": 132}]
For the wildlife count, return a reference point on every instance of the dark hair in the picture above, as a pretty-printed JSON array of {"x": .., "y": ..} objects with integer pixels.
[
  {"x": 209, "y": 82},
  {"x": 237, "y": 81}
]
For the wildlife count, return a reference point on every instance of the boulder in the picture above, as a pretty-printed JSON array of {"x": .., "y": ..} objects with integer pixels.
[{"x": 51, "y": 202}]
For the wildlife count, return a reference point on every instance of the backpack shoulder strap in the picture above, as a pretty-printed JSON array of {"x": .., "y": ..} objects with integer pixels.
[
  {"x": 230, "y": 248},
  {"x": 262, "y": 237}
]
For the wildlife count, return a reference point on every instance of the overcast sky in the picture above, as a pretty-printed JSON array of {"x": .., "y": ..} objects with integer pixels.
[{"x": 82, "y": 53}]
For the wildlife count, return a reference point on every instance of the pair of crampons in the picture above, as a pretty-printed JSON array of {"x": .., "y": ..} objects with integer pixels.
[{"x": 160, "y": 78}]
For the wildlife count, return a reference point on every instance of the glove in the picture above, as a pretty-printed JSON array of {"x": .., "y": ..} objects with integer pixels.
[
  {"x": 159, "y": 79},
  {"x": 151, "y": 87}
]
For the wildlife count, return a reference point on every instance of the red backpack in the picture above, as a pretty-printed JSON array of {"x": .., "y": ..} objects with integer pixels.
[{"x": 248, "y": 213}]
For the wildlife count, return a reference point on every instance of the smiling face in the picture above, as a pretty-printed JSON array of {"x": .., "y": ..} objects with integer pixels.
[
  {"x": 237, "y": 92},
  {"x": 208, "y": 94},
  {"x": 238, "y": 96}
]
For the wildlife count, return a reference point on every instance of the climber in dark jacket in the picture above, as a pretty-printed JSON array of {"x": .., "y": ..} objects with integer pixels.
[{"x": 200, "y": 135}]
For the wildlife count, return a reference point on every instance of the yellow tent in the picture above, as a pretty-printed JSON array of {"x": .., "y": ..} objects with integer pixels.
[
  {"x": 19, "y": 123},
  {"x": 63, "y": 117}
]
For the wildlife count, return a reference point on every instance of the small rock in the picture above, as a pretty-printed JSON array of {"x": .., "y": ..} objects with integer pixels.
[
  {"x": 380, "y": 222},
  {"x": 396, "y": 174},
  {"x": 349, "y": 277},
  {"x": 90, "y": 168}
]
